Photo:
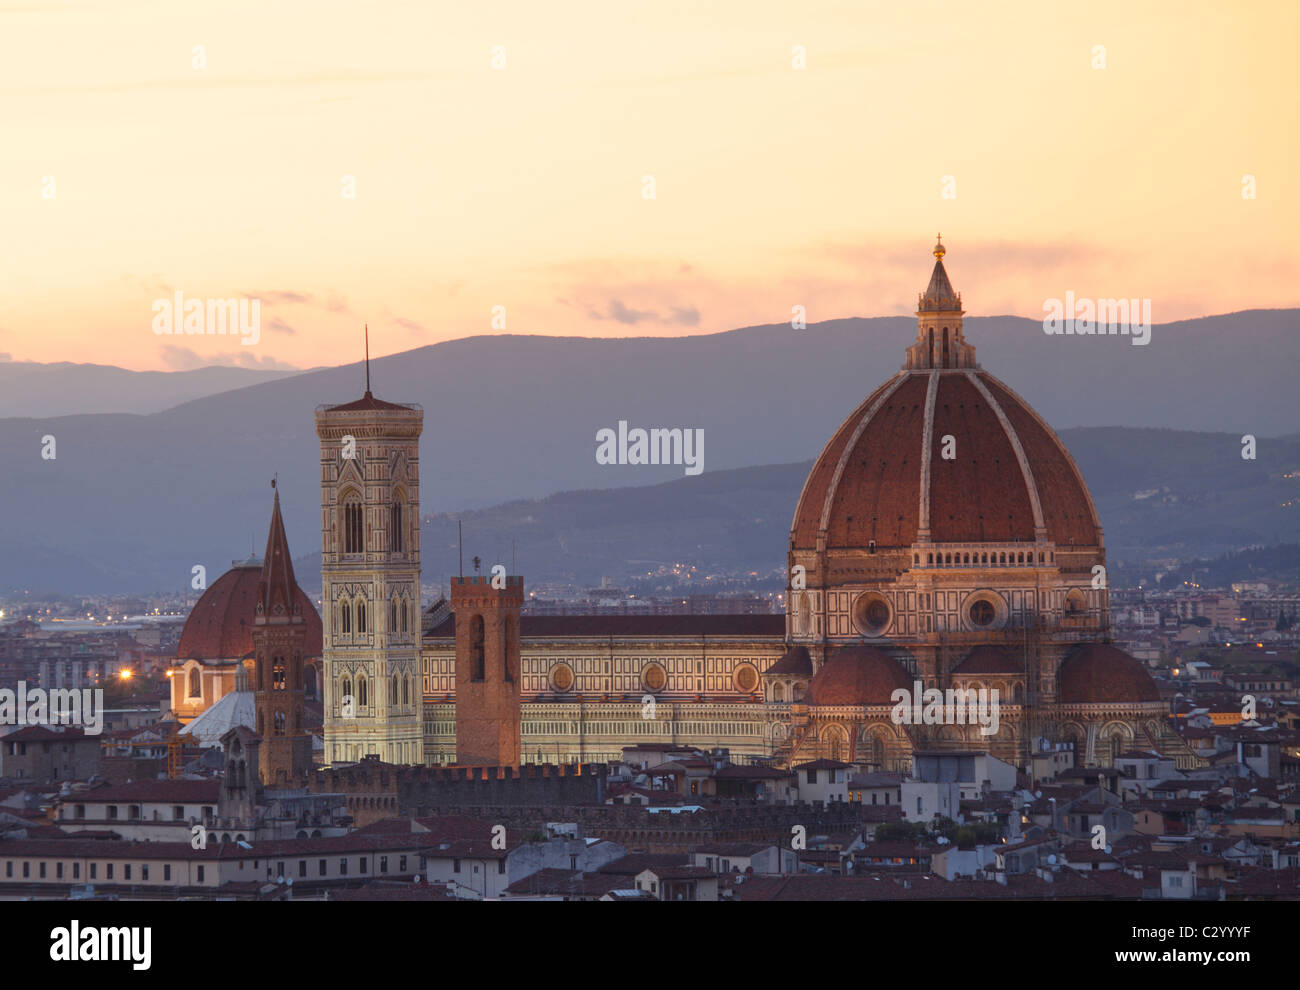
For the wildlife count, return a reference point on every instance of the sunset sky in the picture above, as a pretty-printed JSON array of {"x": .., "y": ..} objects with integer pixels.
[{"x": 522, "y": 187}]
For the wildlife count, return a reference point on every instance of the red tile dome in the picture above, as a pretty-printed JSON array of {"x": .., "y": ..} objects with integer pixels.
[
  {"x": 220, "y": 626},
  {"x": 858, "y": 675},
  {"x": 1097, "y": 673},
  {"x": 990, "y": 660},
  {"x": 1010, "y": 473}
]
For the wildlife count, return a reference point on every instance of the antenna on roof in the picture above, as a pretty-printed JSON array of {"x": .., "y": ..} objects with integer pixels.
[
  {"x": 460, "y": 540},
  {"x": 367, "y": 359}
]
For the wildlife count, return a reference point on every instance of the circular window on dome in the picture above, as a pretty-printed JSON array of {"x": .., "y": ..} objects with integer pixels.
[
  {"x": 871, "y": 614},
  {"x": 746, "y": 678},
  {"x": 562, "y": 677},
  {"x": 653, "y": 677},
  {"x": 985, "y": 610}
]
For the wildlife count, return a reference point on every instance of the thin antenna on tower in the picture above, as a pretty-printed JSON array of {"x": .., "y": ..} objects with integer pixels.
[
  {"x": 367, "y": 359},
  {"x": 460, "y": 539},
  {"x": 512, "y": 557}
]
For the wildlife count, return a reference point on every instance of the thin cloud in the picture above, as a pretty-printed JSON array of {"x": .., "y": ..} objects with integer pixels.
[
  {"x": 621, "y": 312},
  {"x": 628, "y": 316},
  {"x": 278, "y": 325},
  {"x": 278, "y": 296},
  {"x": 687, "y": 316},
  {"x": 179, "y": 358}
]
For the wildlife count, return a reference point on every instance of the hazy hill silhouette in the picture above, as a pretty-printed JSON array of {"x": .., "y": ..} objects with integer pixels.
[{"x": 133, "y": 501}]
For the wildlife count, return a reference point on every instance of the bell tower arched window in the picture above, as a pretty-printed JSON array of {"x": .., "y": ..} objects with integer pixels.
[
  {"x": 507, "y": 650},
  {"x": 477, "y": 657},
  {"x": 353, "y": 526},
  {"x": 396, "y": 534}
]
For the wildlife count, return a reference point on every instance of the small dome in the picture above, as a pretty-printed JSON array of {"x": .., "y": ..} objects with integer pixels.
[
  {"x": 858, "y": 675},
  {"x": 989, "y": 660},
  {"x": 1096, "y": 673},
  {"x": 796, "y": 661},
  {"x": 220, "y": 626}
]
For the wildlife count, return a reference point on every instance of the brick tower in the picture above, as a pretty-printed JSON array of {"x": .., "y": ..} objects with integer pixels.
[
  {"x": 370, "y": 579},
  {"x": 487, "y": 670},
  {"x": 279, "y": 637}
]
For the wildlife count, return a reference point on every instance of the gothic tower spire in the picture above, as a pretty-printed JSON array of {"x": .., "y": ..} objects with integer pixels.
[{"x": 279, "y": 640}]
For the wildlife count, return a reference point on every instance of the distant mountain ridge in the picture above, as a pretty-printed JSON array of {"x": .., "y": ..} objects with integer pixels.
[
  {"x": 132, "y": 502},
  {"x": 29, "y": 389},
  {"x": 1157, "y": 499}
]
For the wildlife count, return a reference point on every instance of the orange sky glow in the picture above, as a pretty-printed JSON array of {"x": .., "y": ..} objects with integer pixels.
[{"x": 207, "y": 148}]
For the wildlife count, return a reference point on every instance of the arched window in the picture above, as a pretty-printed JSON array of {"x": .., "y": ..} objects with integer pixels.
[
  {"x": 361, "y": 616},
  {"x": 277, "y": 674},
  {"x": 396, "y": 534},
  {"x": 477, "y": 658},
  {"x": 392, "y": 615},
  {"x": 345, "y": 615},
  {"x": 945, "y": 347},
  {"x": 404, "y": 614},
  {"x": 353, "y": 527},
  {"x": 778, "y": 692},
  {"x": 406, "y": 689},
  {"x": 278, "y": 724},
  {"x": 507, "y": 653},
  {"x": 345, "y": 690},
  {"x": 362, "y": 693},
  {"x": 196, "y": 683}
]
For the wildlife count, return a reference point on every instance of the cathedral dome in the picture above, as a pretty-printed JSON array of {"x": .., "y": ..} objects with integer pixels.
[
  {"x": 858, "y": 675},
  {"x": 944, "y": 451},
  {"x": 1096, "y": 673},
  {"x": 220, "y": 626}
]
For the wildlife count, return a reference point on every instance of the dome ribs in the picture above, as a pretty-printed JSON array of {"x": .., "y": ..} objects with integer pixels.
[
  {"x": 875, "y": 498},
  {"x": 1068, "y": 512},
  {"x": 980, "y": 495},
  {"x": 812, "y": 500}
]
